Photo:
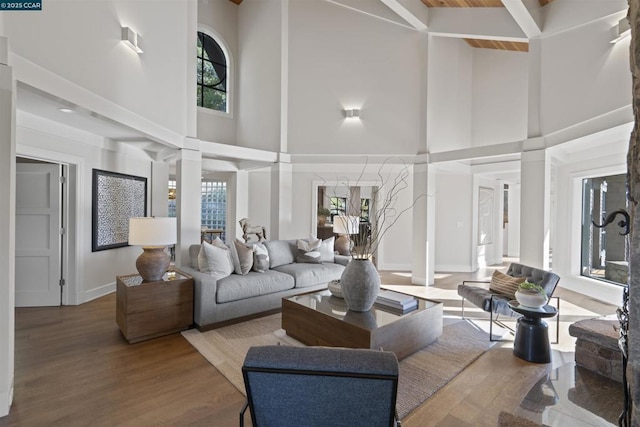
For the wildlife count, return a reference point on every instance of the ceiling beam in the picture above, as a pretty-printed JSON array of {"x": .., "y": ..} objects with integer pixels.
[
  {"x": 494, "y": 23},
  {"x": 526, "y": 15},
  {"x": 376, "y": 9},
  {"x": 412, "y": 11}
]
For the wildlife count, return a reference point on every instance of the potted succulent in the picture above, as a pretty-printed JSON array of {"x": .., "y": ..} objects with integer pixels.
[
  {"x": 323, "y": 213},
  {"x": 531, "y": 295}
]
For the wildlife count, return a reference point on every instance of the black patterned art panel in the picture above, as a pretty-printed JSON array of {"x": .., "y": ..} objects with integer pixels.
[{"x": 116, "y": 198}]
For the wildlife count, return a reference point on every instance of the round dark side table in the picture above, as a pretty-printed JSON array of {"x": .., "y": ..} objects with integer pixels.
[{"x": 532, "y": 333}]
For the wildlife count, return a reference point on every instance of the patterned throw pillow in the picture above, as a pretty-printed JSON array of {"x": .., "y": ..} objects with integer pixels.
[
  {"x": 260, "y": 258},
  {"x": 504, "y": 284},
  {"x": 309, "y": 251}
]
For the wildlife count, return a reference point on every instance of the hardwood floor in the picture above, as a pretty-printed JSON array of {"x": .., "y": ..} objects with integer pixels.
[{"x": 74, "y": 368}]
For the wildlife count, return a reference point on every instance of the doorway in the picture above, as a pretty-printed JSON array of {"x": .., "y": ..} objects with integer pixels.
[{"x": 40, "y": 231}]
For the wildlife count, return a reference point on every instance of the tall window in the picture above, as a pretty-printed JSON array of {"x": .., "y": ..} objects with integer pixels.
[
  {"x": 212, "y": 74},
  {"x": 364, "y": 210},
  {"x": 214, "y": 205},
  {"x": 172, "y": 199},
  {"x": 338, "y": 206},
  {"x": 604, "y": 251}
]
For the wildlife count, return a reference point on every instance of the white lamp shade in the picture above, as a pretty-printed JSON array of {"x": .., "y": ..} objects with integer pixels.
[
  {"x": 346, "y": 224},
  {"x": 152, "y": 231}
]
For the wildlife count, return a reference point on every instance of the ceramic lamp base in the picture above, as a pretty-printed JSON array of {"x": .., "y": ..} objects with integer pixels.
[
  {"x": 343, "y": 244},
  {"x": 152, "y": 263}
]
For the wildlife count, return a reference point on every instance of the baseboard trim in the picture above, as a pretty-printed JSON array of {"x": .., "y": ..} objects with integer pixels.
[
  {"x": 395, "y": 267},
  {"x": 453, "y": 268},
  {"x": 6, "y": 398},
  {"x": 100, "y": 291}
]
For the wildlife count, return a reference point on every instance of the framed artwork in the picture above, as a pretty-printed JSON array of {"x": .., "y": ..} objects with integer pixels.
[
  {"x": 116, "y": 198},
  {"x": 486, "y": 198}
]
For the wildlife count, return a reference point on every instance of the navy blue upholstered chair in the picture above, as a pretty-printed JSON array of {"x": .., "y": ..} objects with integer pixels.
[{"x": 320, "y": 386}]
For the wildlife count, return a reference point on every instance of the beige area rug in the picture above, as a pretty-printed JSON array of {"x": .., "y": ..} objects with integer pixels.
[{"x": 421, "y": 374}]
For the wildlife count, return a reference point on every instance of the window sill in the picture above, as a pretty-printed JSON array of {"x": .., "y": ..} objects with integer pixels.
[{"x": 215, "y": 112}]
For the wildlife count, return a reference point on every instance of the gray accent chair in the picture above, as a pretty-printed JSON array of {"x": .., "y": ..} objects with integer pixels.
[
  {"x": 498, "y": 304},
  {"x": 320, "y": 386}
]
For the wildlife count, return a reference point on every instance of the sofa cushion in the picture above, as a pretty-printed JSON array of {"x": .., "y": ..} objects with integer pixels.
[
  {"x": 236, "y": 287},
  {"x": 281, "y": 252},
  {"x": 306, "y": 275},
  {"x": 309, "y": 251}
]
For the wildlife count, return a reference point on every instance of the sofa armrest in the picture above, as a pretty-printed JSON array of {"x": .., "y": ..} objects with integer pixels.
[
  {"x": 486, "y": 282},
  {"x": 204, "y": 292},
  {"x": 342, "y": 259}
]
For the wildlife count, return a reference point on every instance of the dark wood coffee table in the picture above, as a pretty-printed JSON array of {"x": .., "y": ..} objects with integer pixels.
[{"x": 318, "y": 318}]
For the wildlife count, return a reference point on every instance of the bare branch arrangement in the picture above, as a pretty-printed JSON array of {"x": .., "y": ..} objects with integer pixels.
[{"x": 384, "y": 198}]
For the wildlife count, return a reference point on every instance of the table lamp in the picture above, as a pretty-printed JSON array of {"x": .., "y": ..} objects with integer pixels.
[
  {"x": 344, "y": 226},
  {"x": 153, "y": 234}
]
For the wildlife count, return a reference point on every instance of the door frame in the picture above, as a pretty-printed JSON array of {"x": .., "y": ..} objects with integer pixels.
[{"x": 72, "y": 222}]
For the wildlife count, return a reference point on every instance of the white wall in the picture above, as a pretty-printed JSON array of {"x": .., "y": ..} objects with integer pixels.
[
  {"x": 454, "y": 209},
  {"x": 355, "y": 62},
  {"x": 7, "y": 229},
  {"x": 219, "y": 18},
  {"x": 259, "y": 69},
  {"x": 449, "y": 103},
  {"x": 605, "y": 156},
  {"x": 500, "y": 94},
  {"x": 80, "y": 42},
  {"x": 96, "y": 271},
  {"x": 583, "y": 75}
]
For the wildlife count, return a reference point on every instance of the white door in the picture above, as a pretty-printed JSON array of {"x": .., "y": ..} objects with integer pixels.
[{"x": 38, "y": 194}]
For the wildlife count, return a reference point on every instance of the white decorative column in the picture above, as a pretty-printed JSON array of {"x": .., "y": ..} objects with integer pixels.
[
  {"x": 281, "y": 201},
  {"x": 188, "y": 198},
  {"x": 7, "y": 226},
  {"x": 237, "y": 204},
  {"x": 423, "y": 244},
  {"x": 535, "y": 183},
  {"x": 159, "y": 189}
]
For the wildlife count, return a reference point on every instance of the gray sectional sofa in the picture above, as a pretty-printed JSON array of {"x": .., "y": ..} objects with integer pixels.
[{"x": 223, "y": 301}]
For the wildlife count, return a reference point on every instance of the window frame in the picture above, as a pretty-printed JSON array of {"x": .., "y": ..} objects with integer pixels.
[{"x": 230, "y": 70}]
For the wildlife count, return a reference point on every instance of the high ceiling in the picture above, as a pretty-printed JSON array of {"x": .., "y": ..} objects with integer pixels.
[{"x": 481, "y": 43}]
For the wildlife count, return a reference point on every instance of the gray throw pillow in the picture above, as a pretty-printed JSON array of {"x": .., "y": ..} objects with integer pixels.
[
  {"x": 281, "y": 252},
  {"x": 309, "y": 251},
  {"x": 260, "y": 258},
  {"x": 245, "y": 255}
]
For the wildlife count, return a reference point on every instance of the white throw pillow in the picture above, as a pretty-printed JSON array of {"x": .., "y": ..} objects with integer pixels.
[
  {"x": 218, "y": 260},
  {"x": 327, "y": 253}
]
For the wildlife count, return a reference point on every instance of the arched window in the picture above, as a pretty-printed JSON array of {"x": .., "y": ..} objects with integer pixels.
[{"x": 212, "y": 74}]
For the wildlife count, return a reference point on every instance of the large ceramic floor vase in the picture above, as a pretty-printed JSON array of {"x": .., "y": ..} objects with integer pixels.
[{"x": 360, "y": 284}]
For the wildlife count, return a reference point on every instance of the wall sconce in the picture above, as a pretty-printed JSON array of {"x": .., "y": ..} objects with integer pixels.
[
  {"x": 621, "y": 30},
  {"x": 132, "y": 39},
  {"x": 352, "y": 113}
]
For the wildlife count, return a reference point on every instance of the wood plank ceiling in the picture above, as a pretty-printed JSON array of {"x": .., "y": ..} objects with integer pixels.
[{"x": 485, "y": 44}]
